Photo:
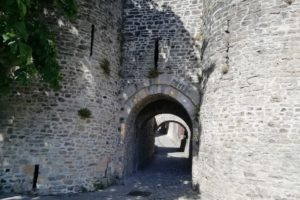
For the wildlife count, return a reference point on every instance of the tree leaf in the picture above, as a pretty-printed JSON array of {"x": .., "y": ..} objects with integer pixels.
[{"x": 27, "y": 42}]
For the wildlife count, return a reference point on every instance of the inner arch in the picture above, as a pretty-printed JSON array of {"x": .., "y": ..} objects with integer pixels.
[{"x": 142, "y": 129}]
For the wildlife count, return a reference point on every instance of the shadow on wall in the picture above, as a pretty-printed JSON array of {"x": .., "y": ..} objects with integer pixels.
[
  {"x": 182, "y": 48},
  {"x": 177, "y": 33},
  {"x": 181, "y": 44}
]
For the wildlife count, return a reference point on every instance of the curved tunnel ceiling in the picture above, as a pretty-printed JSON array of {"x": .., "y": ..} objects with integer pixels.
[{"x": 163, "y": 106}]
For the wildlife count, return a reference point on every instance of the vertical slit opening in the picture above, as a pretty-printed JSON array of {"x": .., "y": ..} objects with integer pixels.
[
  {"x": 35, "y": 176},
  {"x": 156, "y": 54},
  {"x": 92, "y": 39}
]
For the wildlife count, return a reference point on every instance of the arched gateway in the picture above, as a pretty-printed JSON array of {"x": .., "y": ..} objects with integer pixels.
[{"x": 141, "y": 102}]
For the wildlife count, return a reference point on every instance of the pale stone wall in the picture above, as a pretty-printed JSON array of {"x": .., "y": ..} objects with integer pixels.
[
  {"x": 43, "y": 128},
  {"x": 174, "y": 132},
  {"x": 250, "y": 147}
]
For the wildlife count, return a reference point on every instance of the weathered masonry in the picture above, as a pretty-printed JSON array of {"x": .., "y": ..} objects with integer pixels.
[
  {"x": 44, "y": 128},
  {"x": 229, "y": 70}
]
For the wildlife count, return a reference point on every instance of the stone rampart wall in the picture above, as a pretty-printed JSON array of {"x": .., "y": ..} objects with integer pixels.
[
  {"x": 250, "y": 113},
  {"x": 44, "y": 128}
]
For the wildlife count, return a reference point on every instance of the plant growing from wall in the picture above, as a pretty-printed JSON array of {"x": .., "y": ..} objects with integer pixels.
[
  {"x": 203, "y": 48},
  {"x": 84, "y": 113},
  {"x": 105, "y": 65},
  {"x": 198, "y": 37},
  {"x": 225, "y": 68},
  {"x": 83, "y": 189},
  {"x": 289, "y": 1},
  {"x": 27, "y": 45},
  {"x": 98, "y": 185},
  {"x": 153, "y": 73}
]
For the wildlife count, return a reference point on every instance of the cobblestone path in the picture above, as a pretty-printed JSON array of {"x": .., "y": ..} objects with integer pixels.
[{"x": 166, "y": 178}]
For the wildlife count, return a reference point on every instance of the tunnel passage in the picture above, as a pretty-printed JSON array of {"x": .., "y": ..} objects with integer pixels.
[
  {"x": 151, "y": 139},
  {"x": 173, "y": 131}
]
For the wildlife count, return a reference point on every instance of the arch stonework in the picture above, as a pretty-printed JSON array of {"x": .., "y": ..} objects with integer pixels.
[
  {"x": 171, "y": 86},
  {"x": 178, "y": 84},
  {"x": 176, "y": 120},
  {"x": 134, "y": 97},
  {"x": 167, "y": 118}
]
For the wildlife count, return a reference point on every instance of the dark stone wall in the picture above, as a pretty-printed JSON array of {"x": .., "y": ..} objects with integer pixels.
[
  {"x": 42, "y": 127},
  {"x": 172, "y": 29}
]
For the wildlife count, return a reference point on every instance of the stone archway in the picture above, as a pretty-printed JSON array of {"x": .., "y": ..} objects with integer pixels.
[
  {"x": 176, "y": 128},
  {"x": 165, "y": 118},
  {"x": 179, "y": 98}
]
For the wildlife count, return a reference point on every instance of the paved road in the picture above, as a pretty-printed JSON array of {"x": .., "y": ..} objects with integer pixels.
[{"x": 166, "y": 178}]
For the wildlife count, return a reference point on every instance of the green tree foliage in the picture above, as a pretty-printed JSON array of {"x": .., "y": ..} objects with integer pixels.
[{"x": 27, "y": 45}]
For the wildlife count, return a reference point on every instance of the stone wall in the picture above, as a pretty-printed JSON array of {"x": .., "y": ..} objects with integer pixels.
[
  {"x": 243, "y": 54},
  {"x": 132, "y": 130},
  {"x": 145, "y": 142},
  {"x": 43, "y": 128},
  {"x": 174, "y": 26},
  {"x": 250, "y": 147},
  {"x": 163, "y": 38}
]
